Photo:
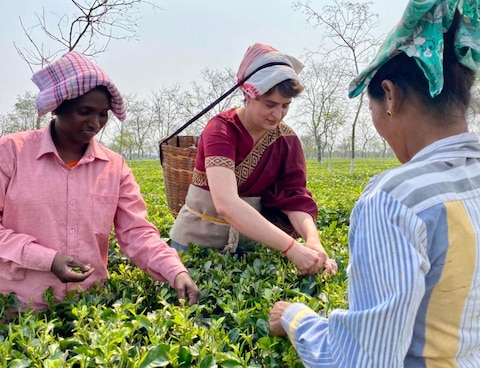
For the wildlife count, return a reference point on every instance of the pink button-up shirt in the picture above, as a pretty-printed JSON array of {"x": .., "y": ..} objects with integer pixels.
[{"x": 46, "y": 207}]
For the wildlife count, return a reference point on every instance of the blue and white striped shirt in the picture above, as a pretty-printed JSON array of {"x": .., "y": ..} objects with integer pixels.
[{"x": 414, "y": 272}]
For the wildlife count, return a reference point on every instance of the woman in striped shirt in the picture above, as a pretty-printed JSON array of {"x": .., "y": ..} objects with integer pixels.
[{"x": 414, "y": 272}]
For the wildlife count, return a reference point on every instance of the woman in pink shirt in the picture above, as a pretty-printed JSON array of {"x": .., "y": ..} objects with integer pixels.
[{"x": 61, "y": 192}]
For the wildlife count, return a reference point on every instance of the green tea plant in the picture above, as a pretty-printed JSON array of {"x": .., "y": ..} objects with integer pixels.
[{"x": 135, "y": 321}]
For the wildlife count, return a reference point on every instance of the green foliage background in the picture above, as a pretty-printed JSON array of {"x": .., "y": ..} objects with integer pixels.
[{"x": 135, "y": 321}]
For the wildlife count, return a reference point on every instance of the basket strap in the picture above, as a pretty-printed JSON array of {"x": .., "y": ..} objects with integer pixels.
[{"x": 218, "y": 100}]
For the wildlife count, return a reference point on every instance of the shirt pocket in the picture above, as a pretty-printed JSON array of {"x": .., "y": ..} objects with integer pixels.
[{"x": 104, "y": 209}]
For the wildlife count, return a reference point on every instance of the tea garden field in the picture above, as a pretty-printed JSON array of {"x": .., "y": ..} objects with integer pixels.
[{"x": 137, "y": 322}]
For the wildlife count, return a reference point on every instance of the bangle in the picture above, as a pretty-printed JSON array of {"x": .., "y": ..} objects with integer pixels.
[{"x": 289, "y": 247}]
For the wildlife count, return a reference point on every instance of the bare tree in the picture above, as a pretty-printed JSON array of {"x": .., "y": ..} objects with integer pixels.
[
  {"x": 349, "y": 26},
  {"x": 367, "y": 135},
  {"x": 169, "y": 105},
  {"x": 123, "y": 143},
  {"x": 167, "y": 110},
  {"x": 89, "y": 28},
  {"x": 140, "y": 124},
  {"x": 120, "y": 136},
  {"x": 214, "y": 84},
  {"x": 385, "y": 147},
  {"x": 320, "y": 107}
]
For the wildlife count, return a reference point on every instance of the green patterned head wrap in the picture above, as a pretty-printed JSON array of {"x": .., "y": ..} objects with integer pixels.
[{"x": 419, "y": 34}]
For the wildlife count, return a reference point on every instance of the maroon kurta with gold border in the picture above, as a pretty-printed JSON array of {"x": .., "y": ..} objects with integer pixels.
[{"x": 274, "y": 169}]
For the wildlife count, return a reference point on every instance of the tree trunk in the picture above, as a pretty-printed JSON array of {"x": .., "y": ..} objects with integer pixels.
[
  {"x": 39, "y": 122},
  {"x": 354, "y": 125},
  {"x": 319, "y": 152}
]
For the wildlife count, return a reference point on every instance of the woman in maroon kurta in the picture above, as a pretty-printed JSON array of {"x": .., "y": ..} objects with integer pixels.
[{"x": 249, "y": 161}]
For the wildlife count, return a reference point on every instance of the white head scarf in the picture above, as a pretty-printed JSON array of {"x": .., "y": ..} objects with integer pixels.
[{"x": 263, "y": 80}]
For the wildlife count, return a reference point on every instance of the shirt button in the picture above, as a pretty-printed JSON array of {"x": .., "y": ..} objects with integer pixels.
[{"x": 72, "y": 231}]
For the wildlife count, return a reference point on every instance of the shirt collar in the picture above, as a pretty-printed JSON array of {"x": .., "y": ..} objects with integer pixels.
[
  {"x": 464, "y": 145},
  {"x": 94, "y": 149}
]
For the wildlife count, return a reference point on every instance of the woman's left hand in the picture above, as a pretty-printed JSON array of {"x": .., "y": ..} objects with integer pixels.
[{"x": 329, "y": 265}]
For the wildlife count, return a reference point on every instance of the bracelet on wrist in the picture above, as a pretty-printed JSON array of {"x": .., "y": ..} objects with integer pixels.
[{"x": 289, "y": 247}]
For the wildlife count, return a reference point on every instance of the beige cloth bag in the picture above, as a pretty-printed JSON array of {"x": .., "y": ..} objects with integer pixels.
[{"x": 198, "y": 222}]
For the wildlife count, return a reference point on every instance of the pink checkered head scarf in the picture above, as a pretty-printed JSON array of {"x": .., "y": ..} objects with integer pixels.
[
  {"x": 70, "y": 77},
  {"x": 263, "y": 80}
]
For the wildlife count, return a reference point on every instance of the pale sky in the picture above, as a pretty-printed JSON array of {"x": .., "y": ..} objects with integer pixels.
[{"x": 176, "y": 43}]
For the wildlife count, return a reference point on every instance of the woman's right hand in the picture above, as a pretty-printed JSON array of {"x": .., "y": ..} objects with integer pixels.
[
  {"x": 68, "y": 269},
  {"x": 306, "y": 259}
]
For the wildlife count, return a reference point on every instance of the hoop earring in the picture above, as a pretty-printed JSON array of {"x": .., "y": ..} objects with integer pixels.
[{"x": 389, "y": 113}]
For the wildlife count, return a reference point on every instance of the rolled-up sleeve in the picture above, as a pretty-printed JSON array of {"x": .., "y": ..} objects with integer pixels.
[{"x": 308, "y": 333}]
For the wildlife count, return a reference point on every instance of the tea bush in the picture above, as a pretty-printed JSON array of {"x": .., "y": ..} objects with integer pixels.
[{"x": 134, "y": 321}]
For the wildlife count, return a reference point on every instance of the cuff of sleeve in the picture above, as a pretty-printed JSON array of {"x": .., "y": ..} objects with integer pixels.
[
  {"x": 38, "y": 257},
  {"x": 292, "y": 316},
  {"x": 171, "y": 281},
  {"x": 169, "y": 274}
]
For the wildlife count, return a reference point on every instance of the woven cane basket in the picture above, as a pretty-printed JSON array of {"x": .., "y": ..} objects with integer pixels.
[{"x": 177, "y": 156}]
